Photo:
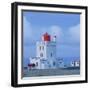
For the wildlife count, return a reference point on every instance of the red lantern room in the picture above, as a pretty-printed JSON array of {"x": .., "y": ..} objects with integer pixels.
[{"x": 46, "y": 37}]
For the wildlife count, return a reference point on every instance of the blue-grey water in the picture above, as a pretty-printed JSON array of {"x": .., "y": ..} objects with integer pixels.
[{"x": 51, "y": 72}]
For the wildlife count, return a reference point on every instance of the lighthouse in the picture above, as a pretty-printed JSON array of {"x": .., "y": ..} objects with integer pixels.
[
  {"x": 46, "y": 48},
  {"x": 45, "y": 53}
]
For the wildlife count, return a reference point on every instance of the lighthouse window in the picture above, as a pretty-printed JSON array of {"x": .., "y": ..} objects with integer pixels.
[
  {"x": 40, "y": 47},
  {"x": 43, "y": 47},
  {"x": 51, "y": 54},
  {"x": 36, "y": 63},
  {"x": 54, "y": 63},
  {"x": 41, "y": 54}
]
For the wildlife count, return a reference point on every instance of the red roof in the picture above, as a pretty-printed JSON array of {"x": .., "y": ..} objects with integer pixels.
[{"x": 46, "y": 37}]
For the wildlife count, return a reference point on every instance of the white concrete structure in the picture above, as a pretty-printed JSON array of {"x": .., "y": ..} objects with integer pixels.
[
  {"x": 75, "y": 63},
  {"x": 60, "y": 63},
  {"x": 45, "y": 54}
]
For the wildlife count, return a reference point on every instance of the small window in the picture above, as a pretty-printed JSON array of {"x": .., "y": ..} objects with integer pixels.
[
  {"x": 51, "y": 54},
  {"x": 36, "y": 63},
  {"x": 77, "y": 62},
  {"x": 60, "y": 62},
  {"x": 40, "y": 47},
  {"x": 54, "y": 63},
  {"x": 72, "y": 62},
  {"x": 41, "y": 54}
]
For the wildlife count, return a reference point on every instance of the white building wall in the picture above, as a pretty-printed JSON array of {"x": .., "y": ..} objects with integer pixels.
[
  {"x": 72, "y": 64},
  {"x": 41, "y": 50},
  {"x": 60, "y": 63},
  {"x": 77, "y": 63},
  {"x": 45, "y": 51},
  {"x": 44, "y": 64},
  {"x": 51, "y": 50},
  {"x": 51, "y": 54},
  {"x": 35, "y": 61}
]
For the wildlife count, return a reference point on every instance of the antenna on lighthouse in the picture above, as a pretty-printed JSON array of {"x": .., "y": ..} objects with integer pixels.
[{"x": 54, "y": 38}]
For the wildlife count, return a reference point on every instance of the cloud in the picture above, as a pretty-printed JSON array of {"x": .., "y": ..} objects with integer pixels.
[
  {"x": 27, "y": 28},
  {"x": 66, "y": 39},
  {"x": 34, "y": 33},
  {"x": 57, "y": 31},
  {"x": 28, "y": 32},
  {"x": 74, "y": 33},
  {"x": 54, "y": 30}
]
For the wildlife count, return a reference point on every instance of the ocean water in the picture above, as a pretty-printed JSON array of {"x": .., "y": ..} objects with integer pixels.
[{"x": 50, "y": 72}]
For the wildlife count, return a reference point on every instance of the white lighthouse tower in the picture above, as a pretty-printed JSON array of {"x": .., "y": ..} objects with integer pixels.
[
  {"x": 46, "y": 49},
  {"x": 45, "y": 53}
]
